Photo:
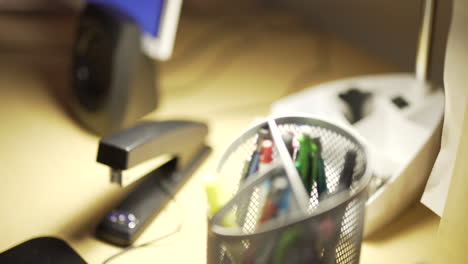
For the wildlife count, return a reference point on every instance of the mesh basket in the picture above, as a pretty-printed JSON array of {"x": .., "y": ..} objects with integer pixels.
[{"x": 314, "y": 227}]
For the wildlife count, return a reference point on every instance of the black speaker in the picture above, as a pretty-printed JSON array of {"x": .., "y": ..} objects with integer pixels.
[{"x": 113, "y": 82}]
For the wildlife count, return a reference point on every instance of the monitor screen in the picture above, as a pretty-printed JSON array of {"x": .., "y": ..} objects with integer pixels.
[{"x": 157, "y": 19}]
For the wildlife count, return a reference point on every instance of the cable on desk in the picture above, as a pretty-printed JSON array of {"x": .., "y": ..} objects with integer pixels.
[{"x": 153, "y": 241}]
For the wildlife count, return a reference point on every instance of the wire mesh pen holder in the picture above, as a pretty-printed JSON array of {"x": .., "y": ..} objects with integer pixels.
[{"x": 306, "y": 225}]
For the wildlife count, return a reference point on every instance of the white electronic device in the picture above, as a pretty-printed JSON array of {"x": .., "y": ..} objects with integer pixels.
[
  {"x": 398, "y": 115},
  {"x": 400, "y": 124}
]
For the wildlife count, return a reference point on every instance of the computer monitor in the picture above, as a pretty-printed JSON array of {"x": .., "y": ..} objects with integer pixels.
[
  {"x": 157, "y": 19},
  {"x": 113, "y": 70}
]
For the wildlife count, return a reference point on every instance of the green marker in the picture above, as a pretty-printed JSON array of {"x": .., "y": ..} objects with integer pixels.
[
  {"x": 314, "y": 172},
  {"x": 303, "y": 160},
  {"x": 318, "y": 170},
  {"x": 322, "y": 187}
]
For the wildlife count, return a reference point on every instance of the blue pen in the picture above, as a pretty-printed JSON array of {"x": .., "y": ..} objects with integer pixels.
[
  {"x": 255, "y": 159},
  {"x": 292, "y": 146},
  {"x": 284, "y": 203},
  {"x": 250, "y": 168},
  {"x": 274, "y": 199}
]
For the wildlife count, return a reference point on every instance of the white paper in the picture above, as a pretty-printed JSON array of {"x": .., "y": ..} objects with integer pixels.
[{"x": 456, "y": 93}]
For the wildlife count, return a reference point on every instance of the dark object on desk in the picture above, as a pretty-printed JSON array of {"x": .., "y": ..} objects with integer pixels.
[
  {"x": 113, "y": 82},
  {"x": 42, "y": 250},
  {"x": 184, "y": 140},
  {"x": 400, "y": 102},
  {"x": 355, "y": 99}
]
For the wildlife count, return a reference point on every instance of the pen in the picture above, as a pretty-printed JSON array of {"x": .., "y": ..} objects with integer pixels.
[
  {"x": 266, "y": 204},
  {"x": 314, "y": 170},
  {"x": 303, "y": 160},
  {"x": 345, "y": 181},
  {"x": 293, "y": 246},
  {"x": 292, "y": 145},
  {"x": 270, "y": 209},
  {"x": 319, "y": 168},
  {"x": 260, "y": 250},
  {"x": 281, "y": 198},
  {"x": 263, "y": 134},
  {"x": 250, "y": 168},
  {"x": 266, "y": 158},
  {"x": 284, "y": 203},
  {"x": 245, "y": 170},
  {"x": 346, "y": 177}
]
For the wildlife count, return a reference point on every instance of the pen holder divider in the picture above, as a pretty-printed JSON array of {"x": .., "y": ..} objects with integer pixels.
[{"x": 328, "y": 231}]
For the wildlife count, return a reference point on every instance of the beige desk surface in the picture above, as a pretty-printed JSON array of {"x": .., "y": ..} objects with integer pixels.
[{"x": 51, "y": 184}]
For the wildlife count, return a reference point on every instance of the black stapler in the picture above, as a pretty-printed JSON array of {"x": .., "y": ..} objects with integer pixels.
[{"x": 184, "y": 141}]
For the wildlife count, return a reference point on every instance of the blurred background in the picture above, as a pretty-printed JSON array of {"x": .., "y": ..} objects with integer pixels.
[
  {"x": 231, "y": 61},
  {"x": 385, "y": 29}
]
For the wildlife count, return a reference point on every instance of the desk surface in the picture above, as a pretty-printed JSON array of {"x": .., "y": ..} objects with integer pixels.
[{"x": 225, "y": 72}]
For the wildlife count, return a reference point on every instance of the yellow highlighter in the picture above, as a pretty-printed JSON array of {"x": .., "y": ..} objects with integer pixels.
[{"x": 218, "y": 195}]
